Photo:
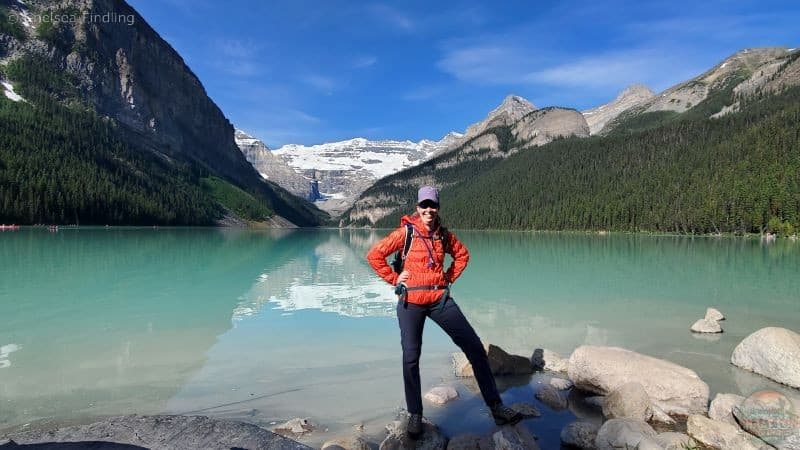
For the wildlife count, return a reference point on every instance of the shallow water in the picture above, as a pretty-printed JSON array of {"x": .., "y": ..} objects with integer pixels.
[{"x": 268, "y": 325}]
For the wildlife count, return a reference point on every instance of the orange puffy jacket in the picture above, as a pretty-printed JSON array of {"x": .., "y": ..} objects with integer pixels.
[{"x": 417, "y": 262}]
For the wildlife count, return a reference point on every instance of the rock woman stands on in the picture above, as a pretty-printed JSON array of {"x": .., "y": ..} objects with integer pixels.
[{"x": 423, "y": 289}]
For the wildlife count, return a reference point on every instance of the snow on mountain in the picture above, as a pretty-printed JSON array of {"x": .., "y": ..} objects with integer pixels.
[
  {"x": 334, "y": 174},
  {"x": 378, "y": 158}
]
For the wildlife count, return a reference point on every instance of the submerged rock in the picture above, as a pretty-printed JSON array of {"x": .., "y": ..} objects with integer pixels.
[
  {"x": 346, "y": 443},
  {"x": 526, "y": 409},
  {"x": 441, "y": 395},
  {"x": 772, "y": 352},
  {"x": 676, "y": 389},
  {"x": 552, "y": 397}
]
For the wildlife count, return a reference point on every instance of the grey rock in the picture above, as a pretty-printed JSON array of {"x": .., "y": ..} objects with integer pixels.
[
  {"x": 346, "y": 443},
  {"x": 714, "y": 314},
  {"x": 622, "y": 433},
  {"x": 431, "y": 439},
  {"x": 648, "y": 444},
  {"x": 769, "y": 415},
  {"x": 772, "y": 352},
  {"x": 580, "y": 434},
  {"x": 561, "y": 384},
  {"x": 629, "y": 401},
  {"x": 552, "y": 397},
  {"x": 500, "y": 362},
  {"x": 440, "y": 395},
  {"x": 526, "y": 409},
  {"x": 661, "y": 416},
  {"x": 674, "y": 441},
  {"x": 294, "y": 427},
  {"x": 166, "y": 432},
  {"x": 515, "y": 437},
  {"x": 721, "y": 435},
  {"x": 470, "y": 441},
  {"x": 706, "y": 326},
  {"x": 596, "y": 401},
  {"x": 721, "y": 408},
  {"x": 544, "y": 359},
  {"x": 676, "y": 389}
]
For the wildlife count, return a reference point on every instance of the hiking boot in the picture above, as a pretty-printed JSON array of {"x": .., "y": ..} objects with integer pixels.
[
  {"x": 503, "y": 415},
  {"x": 414, "y": 429}
]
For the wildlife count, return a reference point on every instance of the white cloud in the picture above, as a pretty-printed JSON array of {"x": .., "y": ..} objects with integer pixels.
[
  {"x": 364, "y": 62},
  {"x": 324, "y": 84},
  {"x": 488, "y": 64},
  {"x": 422, "y": 93},
  {"x": 392, "y": 16}
]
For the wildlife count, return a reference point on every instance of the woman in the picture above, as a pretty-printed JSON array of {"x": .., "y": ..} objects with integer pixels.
[{"x": 423, "y": 287}]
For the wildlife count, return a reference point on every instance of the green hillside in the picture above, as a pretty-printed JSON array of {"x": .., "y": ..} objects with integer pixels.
[
  {"x": 739, "y": 173},
  {"x": 62, "y": 163}
]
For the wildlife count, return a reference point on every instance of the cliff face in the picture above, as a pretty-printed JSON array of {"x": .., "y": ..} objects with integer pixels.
[
  {"x": 125, "y": 71},
  {"x": 632, "y": 96}
]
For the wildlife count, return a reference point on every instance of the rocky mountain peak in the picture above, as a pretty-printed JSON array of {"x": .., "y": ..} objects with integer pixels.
[
  {"x": 637, "y": 91},
  {"x": 631, "y": 96},
  {"x": 514, "y": 106},
  {"x": 510, "y": 111}
]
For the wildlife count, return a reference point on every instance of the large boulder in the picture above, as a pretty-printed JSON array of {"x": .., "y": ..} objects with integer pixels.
[
  {"x": 721, "y": 435},
  {"x": 623, "y": 433},
  {"x": 163, "y": 432},
  {"x": 769, "y": 415},
  {"x": 721, "y": 408},
  {"x": 772, "y": 352},
  {"x": 580, "y": 434},
  {"x": 431, "y": 439},
  {"x": 629, "y": 401},
  {"x": 675, "y": 389}
]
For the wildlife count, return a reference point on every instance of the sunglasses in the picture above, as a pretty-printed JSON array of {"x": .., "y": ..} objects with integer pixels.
[{"x": 428, "y": 204}]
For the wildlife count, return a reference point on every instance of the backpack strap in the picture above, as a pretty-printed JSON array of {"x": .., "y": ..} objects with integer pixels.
[
  {"x": 400, "y": 255},
  {"x": 444, "y": 235},
  {"x": 409, "y": 237}
]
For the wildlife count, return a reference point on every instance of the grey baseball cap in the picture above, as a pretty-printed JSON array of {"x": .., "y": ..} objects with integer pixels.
[{"x": 428, "y": 193}]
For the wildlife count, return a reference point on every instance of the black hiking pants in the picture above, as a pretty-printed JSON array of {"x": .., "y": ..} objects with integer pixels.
[{"x": 411, "y": 318}]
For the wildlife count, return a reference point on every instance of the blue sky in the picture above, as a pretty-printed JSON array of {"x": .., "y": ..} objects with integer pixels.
[{"x": 307, "y": 72}]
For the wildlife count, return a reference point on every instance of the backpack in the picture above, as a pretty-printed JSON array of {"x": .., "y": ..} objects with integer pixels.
[{"x": 400, "y": 255}]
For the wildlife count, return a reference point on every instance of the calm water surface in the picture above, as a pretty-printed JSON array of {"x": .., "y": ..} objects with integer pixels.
[{"x": 268, "y": 325}]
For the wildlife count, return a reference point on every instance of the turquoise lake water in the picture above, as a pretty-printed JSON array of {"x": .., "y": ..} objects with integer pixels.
[{"x": 265, "y": 326}]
